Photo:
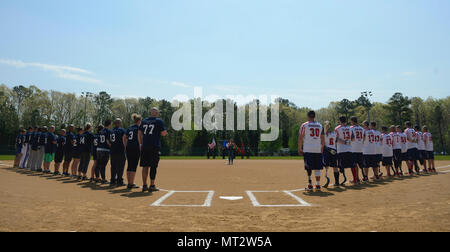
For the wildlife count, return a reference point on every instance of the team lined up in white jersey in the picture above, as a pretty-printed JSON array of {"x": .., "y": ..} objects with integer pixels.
[{"x": 363, "y": 147}]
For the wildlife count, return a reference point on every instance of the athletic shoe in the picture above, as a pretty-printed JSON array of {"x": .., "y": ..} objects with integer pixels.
[
  {"x": 144, "y": 188},
  {"x": 153, "y": 188},
  {"x": 39, "y": 170},
  {"x": 120, "y": 184},
  {"x": 318, "y": 188},
  {"x": 309, "y": 188},
  {"x": 133, "y": 186},
  {"x": 84, "y": 178},
  {"x": 56, "y": 173},
  {"x": 104, "y": 182}
]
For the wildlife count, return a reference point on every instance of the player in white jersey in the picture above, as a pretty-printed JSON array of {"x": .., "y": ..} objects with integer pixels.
[
  {"x": 421, "y": 148},
  {"x": 428, "y": 139},
  {"x": 379, "y": 151},
  {"x": 387, "y": 145},
  {"x": 357, "y": 149},
  {"x": 411, "y": 144},
  {"x": 344, "y": 147},
  {"x": 366, "y": 126},
  {"x": 397, "y": 149},
  {"x": 370, "y": 150},
  {"x": 311, "y": 142},
  {"x": 404, "y": 140},
  {"x": 330, "y": 154}
]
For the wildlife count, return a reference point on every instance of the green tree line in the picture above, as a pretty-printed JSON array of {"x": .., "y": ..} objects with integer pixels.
[{"x": 23, "y": 106}]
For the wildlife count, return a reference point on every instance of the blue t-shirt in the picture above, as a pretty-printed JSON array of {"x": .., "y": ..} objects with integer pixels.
[
  {"x": 42, "y": 139},
  {"x": 132, "y": 134},
  {"x": 116, "y": 140},
  {"x": 151, "y": 129},
  {"x": 50, "y": 147},
  {"x": 102, "y": 137},
  {"x": 76, "y": 143},
  {"x": 86, "y": 142},
  {"x": 96, "y": 142},
  {"x": 34, "y": 140},
  {"x": 60, "y": 142},
  {"x": 69, "y": 138},
  {"x": 27, "y": 137},
  {"x": 19, "y": 140}
]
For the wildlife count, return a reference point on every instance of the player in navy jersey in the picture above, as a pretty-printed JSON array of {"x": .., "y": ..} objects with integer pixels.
[
  {"x": 94, "y": 155},
  {"x": 50, "y": 149},
  {"x": 149, "y": 137},
  {"x": 118, "y": 157},
  {"x": 103, "y": 151},
  {"x": 76, "y": 152},
  {"x": 86, "y": 142},
  {"x": 19, "y": 145},
  {"x": 42, "y": 139},
  {"x": 133, "y": 150},
  {"x": 26, "y": 148},
  {"x": 68, "y": 150},
  {"x": 59, "y": 154},
  {"x": 33, "y": 148}
]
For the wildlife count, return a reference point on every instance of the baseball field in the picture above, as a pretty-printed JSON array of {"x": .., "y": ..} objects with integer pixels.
[{"x": 208, "y": 195}]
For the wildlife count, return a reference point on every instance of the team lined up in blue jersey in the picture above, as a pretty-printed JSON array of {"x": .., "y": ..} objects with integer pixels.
[{"x": 73, "y": 148}]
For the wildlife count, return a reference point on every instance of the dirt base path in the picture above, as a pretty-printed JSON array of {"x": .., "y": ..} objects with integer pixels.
[{"x": 35, "y": 202}]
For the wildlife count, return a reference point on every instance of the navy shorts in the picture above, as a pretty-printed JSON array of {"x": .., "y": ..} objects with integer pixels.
[
  {"x": 150, "y": 157},
  {"x": 59, "y": 156},
  {"x": 345, "y": 160},
  {"x": 371, "y": 161},
  {"x": 18, "y": 150},
  {"x": 423, "y": 154},
  {"x": 329, "y": 160},
  {"x": 68, "y": 156},
  {"x": 387, "y": 161},
  {"x": 76, "y": 154},
  {"x": 430, "y": 155},
  {"x": 413, "y": 154},
  {"x": 404, "y": 156},
  {"x": 358, "y": 159},
  {"x": 313, "y": 161}
]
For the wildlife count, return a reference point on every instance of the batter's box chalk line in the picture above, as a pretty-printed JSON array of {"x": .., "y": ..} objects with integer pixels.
[
  {"x": 207, "y": 203},
  {"x": 301, "y": 202}
]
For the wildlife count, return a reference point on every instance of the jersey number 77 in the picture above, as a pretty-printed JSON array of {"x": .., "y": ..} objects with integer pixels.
[{"x": 148, "y": 129}]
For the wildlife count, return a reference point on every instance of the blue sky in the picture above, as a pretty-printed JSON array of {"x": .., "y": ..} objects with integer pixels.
[{"x": 311, "y": 52}]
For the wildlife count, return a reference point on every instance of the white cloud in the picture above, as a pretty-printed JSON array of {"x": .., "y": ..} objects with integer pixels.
[
  {"x": 63, "y": 72},
  {"x": 180, "y": 84}
]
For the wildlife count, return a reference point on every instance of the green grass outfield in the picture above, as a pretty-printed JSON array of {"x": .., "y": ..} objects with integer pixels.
[{"x": 11, "y": 157}]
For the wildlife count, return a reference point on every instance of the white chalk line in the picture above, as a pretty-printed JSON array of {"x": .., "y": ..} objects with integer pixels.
[
  {"x": 256, "y": 203},
  {"x": 442, "y": 167},
  {"x": 207, "y": 203}
]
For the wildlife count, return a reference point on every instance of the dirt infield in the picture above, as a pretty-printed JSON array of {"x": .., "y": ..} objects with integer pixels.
[{"x": 192, "y": 201}]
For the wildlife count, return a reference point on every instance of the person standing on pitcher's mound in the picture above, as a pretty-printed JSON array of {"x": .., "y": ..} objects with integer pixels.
[{"x": 149, "y": 137}]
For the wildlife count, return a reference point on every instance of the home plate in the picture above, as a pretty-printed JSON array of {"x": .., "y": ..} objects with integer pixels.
[{"x": 231, "y": 197}]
